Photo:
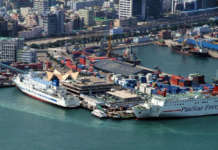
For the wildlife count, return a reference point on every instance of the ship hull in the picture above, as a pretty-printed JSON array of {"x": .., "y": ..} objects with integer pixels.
[
  {"x": 137, "y": 62},
  {"x": 178, "y": 49},
  {"x": 199, "y": 54},
  {"x": 43, "y": 97},
  {"x": 192, "y": 109},
  {"x": 213, "y": 54}
]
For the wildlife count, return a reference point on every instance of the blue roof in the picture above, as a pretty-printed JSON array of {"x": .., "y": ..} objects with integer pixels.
[
  {"x": 203, "y": 44},
  {"x": 42, "y": 81}
]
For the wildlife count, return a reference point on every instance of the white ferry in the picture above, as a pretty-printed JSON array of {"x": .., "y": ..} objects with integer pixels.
[
  {"x": 51, "y": 92},
  {"x": 180, "y": 105}
]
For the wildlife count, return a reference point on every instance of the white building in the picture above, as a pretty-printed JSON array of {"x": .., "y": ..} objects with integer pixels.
[
  {"x": 9, "y": 47},
  {"x": 132, "y": 8}
]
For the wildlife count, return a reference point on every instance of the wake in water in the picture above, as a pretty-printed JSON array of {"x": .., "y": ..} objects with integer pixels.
[{"x": 12, "y": 99}]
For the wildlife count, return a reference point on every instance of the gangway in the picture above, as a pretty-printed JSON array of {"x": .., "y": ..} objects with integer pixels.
[{"x": 12, "y": 68}]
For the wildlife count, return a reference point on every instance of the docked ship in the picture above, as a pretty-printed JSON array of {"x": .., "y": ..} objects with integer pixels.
[
  {"x": 178, "y": 48},
  {"x": 199, "y": 52},
  {"x": 130, "y": 56},
  {"x": 213, "y": 53},
  {"x": 33, "y": 85},
  {"x": 190, "y": 51},
  {"x": 189, "y": 104}
]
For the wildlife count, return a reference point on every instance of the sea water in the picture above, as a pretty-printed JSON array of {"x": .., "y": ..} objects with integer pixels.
[{"x": 27, "y": 124}]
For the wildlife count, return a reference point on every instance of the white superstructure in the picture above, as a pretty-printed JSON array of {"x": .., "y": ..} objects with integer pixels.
[
  {"x": 40, "y": 89},
  {"x": 181, "y": 105}
]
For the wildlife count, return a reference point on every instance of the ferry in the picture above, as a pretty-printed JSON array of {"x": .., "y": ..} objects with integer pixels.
[
  {"x": 33, "y": 85},
  {"x": 190, "y": 104}
]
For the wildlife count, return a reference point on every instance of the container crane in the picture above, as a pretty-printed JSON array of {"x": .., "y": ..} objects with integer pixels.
[{"x": 109, "y": 41}]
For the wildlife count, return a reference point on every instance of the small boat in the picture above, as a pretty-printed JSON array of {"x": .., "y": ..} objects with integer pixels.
[{"x": 99, "y": 113}]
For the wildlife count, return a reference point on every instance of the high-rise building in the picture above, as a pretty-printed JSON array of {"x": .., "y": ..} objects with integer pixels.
[
  {"x": 41, "y": 6},
  {"x": 132, "y": 8},
  {"x": 1, "y": 3},
  {"x": 3, "y": 27},
  {"x": 208, "y": 3},
  {"x": 52, "y": 3},
  {"x": 87, "y": 15},
  {"x": 9, "y": 48},
  {"x": 49, "y": 23},
  {"x": 182, "y": 5},
  {"x": 8, "y": 27},
  {"x": 21, "y": 3},
  {"x": 166, "y": 5},
  {"x": 60, "y": 21},
  {"x": 52, "y": 22},
  {"x": 154, "y": 8},
  {"x": 141, "y": 9}
]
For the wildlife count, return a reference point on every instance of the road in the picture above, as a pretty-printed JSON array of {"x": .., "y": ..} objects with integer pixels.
[{"x": 143, "y": 29}]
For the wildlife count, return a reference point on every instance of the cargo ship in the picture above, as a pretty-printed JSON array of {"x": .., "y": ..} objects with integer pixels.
[
  {"x": 211, "y": 46},
  {"x": 33, "y": 85},
  {"x": 213, "y": 53},
  {"x": 180, "y": 49},
  {"x": 190, "y": 104},
  {"x": 190, "y": 51},
  {"x": 199, "y": 53},
  {"x": 130, "y": 56}
]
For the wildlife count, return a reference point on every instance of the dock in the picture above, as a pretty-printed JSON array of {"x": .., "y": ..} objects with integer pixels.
[{"x": 6, "y": 83}]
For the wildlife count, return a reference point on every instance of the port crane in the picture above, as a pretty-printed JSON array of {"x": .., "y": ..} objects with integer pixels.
[{"x": 109, "y": 41}]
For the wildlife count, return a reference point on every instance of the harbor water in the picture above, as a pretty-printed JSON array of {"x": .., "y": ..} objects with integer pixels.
[{"x": 28, "y": 124}]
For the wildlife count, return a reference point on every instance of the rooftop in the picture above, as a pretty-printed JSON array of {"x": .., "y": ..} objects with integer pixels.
[
  {"x": 123, "y": 94},
  {"x": 91, "y": 81},
  {"x": 118, "y": 67}
]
